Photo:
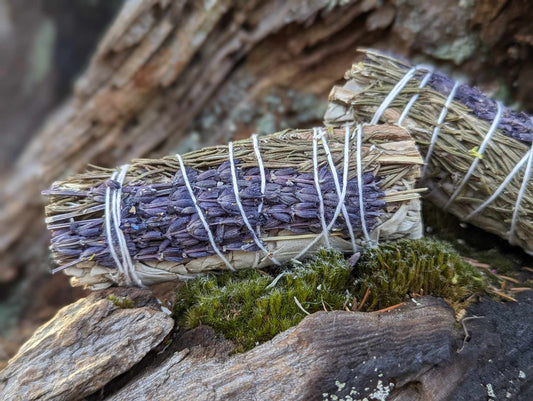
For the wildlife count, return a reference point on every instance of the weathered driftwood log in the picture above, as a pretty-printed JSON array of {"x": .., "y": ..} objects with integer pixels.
[
  {"x": 85, "y": 346},
  {"x": 415, "y": 352},
  {"x": 343, "y": 354},
  {"x": 271, "y": 199}
]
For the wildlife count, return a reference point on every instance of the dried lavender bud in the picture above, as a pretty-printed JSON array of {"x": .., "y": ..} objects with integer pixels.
[
  {"x": 517, "y": 125},
  {"x": 160, "y": 221}
]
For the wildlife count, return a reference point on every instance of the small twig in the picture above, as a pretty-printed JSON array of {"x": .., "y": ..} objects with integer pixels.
[
  {"x": 388, "y": 309},
  {"x": 476, "y": 263},
  {"x": 367, "y": 293},
  {"x": 502, "y": 295},
  {"x": 520, "y": 289},
  {"x": 467, "y": 334},
  {"x": 354, "y": 304},
  {"x": 507, "y": 278}
]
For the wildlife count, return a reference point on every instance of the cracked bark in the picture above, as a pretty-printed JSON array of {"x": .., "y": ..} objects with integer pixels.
[{"x": 83, "y": 347}]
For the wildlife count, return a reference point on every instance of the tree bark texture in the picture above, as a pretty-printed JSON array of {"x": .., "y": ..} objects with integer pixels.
[
  {"x": 84, "y": 346},
  {"x": 100, "y": 351}
]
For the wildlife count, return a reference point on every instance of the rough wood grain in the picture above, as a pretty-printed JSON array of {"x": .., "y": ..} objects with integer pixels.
[
  {"x": 339, "y": 353},
  {"x": 43, "y": 46},
  {"x": 414, "y": 352},
  {"x": 328, "y": 354},
  {"x": 83, "y": 347}
]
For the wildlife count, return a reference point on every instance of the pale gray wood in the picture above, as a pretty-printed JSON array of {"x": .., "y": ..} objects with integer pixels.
[{"x": 83, "y": 347}]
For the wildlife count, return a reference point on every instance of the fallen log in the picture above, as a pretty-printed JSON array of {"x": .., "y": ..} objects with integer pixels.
[{"x": 413, "y": 352}]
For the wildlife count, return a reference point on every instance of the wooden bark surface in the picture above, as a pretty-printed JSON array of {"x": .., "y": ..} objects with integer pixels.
[
  {"x": 339, "y": 353},
  {"x": 415, "y": 352},
  {"x": 87, "y": 344},
  {"x": 43, "y": 46},
  {"x": 419, "y": 348}
]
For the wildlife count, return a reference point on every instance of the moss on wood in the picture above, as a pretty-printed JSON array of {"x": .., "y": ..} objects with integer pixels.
[
  {"x": 424, "y": 267},
  {"x": 121, "y": 302},
  {"x": 251, "y": 306}
]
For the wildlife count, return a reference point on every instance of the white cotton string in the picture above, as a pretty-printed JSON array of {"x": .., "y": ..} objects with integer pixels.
[
  {"x": 345, "y": 172},
  {"x": 112, "y": 218},
  {"x": 392, "y": 95},
  {"x": 131, "y": 274},
  {"x": 516, "y": 211},
  {"x": 502, "y": 186},
  {"x": 107, "y": 219},
  {"x": 435, "y": 135},
  {"x": 360, "y": 180},
  {"x": 413, "y": 99},
  {"x": 325, "y": 231},
  {"x": 115, "y": 217},
  {"x": 201, "y": 215},
  {"x": 262, "y": 174},
  {"x": 481, "y": 151},
  {"x": 341, "y": 193},
  {"x": 241, "y": 207}
]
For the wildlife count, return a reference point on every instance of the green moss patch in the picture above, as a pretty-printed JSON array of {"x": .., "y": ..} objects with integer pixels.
[
  {"x": 240, "y": 305},
  {"x": 121, "y": 302},
  {"x": 251, "y": 306},
  {"x": 426, "y": 267}
]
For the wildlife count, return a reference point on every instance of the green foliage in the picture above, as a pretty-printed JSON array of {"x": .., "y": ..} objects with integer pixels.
[
  {"x": 394, "y": 271},
  {"x": 248, "y": 308},
  {"x": 121, "y": 302},
  {"x": 242, "y": 307}
]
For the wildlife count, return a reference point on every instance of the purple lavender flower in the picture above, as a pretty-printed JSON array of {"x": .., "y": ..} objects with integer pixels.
[{"x": 160, "y": 221}]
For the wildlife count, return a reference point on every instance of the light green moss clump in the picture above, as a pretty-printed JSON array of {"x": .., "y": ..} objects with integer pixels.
[
  {"x": 248, "y": 308},
  {"x": 396, "y": 270},
  {"x": 242, "y": 307},
  {"x": 121, "y": 302}
]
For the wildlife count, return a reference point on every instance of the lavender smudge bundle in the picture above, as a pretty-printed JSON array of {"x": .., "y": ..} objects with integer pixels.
[
  {"x": 252, "y": 203},
  {"x": 478, "y": 154}
]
